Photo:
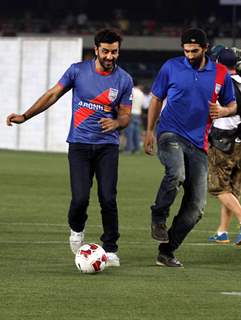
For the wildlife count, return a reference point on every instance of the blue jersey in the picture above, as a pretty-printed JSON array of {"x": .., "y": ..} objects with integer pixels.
[
  {"x": 95, "y": 96},
  {"x": 187, "y": 92}
]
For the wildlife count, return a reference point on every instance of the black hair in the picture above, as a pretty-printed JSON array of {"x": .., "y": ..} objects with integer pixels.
[{"x": 107, "y": 36}]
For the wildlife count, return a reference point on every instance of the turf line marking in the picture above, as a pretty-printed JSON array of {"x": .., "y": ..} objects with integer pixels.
[
  {"x": 232, "y": 293},
  {"x": 92, "y": 226},
  {"x": 33, "y": 242},
  {"x": 33, "y": 224},
  {"x": 144, "y": 243}
]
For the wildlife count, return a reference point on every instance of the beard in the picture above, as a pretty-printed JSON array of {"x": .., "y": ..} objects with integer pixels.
[
  {"x": 106, "y": 64},
  {"x": 196, "y": 63}
]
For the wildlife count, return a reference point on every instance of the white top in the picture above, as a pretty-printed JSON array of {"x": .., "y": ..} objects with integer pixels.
[
  {"x": 137, "y": 102},
  {"x": 146, "y": 101},
  {"x": 229, "y": 123}
]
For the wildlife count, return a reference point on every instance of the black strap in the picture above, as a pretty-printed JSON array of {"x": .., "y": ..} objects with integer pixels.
[{"x": 238, "y": 96}]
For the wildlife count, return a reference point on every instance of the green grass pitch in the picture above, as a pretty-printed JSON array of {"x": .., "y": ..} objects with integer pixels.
[{"x": 38, "y": 278}]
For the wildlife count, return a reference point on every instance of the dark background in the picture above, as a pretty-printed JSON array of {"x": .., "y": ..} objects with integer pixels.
[{"x": 165, "y": 10}]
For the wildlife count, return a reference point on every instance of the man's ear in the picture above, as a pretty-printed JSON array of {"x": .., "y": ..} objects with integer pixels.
[
  {"x": 206, "y": 46},
  {"x": 96, "y": 50}
]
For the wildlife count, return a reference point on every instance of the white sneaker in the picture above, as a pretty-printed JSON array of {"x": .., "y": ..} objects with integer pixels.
[
  {"x": 76, "y": 240},
  {"x": 112, "y": 260}
]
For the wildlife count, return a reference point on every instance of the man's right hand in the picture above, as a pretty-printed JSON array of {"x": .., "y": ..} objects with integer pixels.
[
  {"x": 15, "y": 118},
  {"x": 149, "y": 143}
]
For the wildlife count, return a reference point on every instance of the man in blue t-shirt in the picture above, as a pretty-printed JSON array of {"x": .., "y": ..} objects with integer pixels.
[
  {"x": 190, "y": 86},
  {"x": 101, "y": 105}
]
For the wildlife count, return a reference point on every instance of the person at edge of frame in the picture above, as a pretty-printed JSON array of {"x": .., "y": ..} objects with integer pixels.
[{"x": 224, "y": 160}]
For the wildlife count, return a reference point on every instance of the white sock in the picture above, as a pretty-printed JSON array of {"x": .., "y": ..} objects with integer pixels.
[{"x": 221, "y": 232}]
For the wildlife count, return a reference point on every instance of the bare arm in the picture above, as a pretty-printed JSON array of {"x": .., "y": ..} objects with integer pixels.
[
  {"x": 122, "y": 121},
  {"x": 153, "y": 114},
  {"x": 42, "y": 104},
  {"x": 217, "y": 111}
]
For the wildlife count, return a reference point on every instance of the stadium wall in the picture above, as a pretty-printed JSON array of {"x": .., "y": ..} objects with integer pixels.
[{"x": 29, "y": 66}]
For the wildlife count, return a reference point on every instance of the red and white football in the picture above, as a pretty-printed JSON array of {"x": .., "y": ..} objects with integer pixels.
[{"x": 90, "y": 258}]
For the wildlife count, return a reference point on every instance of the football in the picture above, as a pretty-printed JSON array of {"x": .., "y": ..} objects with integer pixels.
[{"x": 90, "y": 258}]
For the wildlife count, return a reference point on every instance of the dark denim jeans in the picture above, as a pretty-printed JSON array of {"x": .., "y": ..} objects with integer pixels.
[
  {"x": 85, "y": 161},
  {"x": 185, "y": 165}
]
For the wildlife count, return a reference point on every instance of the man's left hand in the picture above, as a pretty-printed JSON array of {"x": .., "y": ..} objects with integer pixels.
[
  {"x": 108, "y": 124},
  {"x": 215, "y": 110}
]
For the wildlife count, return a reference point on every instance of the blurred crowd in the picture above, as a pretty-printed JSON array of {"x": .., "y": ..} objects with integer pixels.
[
  {"x": 132, "y": 138},
  {"x": 79, "y": 23}
]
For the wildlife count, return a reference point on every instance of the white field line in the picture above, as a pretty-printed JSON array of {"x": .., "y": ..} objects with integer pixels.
[
  {"x": 33, "y": 224},
  {"x": 122, "y": 227},
  {"x": 232, "y": 293},
  {"x": 122, "y": 243},
  {"x": 32, "y": 242}
]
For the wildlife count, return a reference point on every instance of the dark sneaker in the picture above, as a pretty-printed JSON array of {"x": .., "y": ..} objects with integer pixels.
[
  {"x": 159, "y": 232},
  {"x": 238, "y": 240},
  {"x": 222, "y": 238},
  {"x": 168, "y": 260}
]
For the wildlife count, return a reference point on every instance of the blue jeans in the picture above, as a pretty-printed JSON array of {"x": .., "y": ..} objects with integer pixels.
[
  {"x": 185, "y": 165},
  {"x": 85, "y": 161},
  {"x": 133, "y": 134}
]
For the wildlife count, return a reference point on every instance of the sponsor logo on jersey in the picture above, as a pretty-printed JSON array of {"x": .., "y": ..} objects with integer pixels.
[
  {"x": 91, "y": 106},
  {"x": 94, "y": 106},
  {"x": 107, "y": 109}
]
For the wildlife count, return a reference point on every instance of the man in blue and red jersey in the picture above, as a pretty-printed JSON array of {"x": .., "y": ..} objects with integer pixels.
[
  {"x": 191, "y": 86},
  {"x": 101, "y": 105}
]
